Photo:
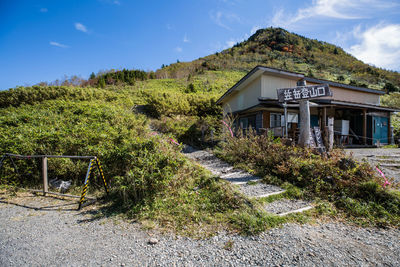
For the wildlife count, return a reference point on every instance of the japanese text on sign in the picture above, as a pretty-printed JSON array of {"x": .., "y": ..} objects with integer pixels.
[{"x": 303, "y": 92}]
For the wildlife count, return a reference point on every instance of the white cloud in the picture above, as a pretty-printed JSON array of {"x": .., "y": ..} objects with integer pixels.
[
  {"x": 58, "y": 44},
  {"x": 178, "y": 49},
  {"x": 43, "y": 10},
  {"x": 378, "y": 45},
  {"x": 254, "y": 29},
  {"x": 185, "y": 39},
  {"x": 230, "y": 43},
  {"x": 337, "y": 9},
  {"x": 222, "y": 19},
  {"x": 80, "y": 27}
]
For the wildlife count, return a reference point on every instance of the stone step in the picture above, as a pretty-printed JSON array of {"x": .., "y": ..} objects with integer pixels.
[
  {"x": 240, "y": 177},
  {"x": 296, "y": 211},
  {"x": 284, "y": 207},
  {"x": 260, "y": 190},
  {"x": 232, "y": 174},
  {"x": 270, "y": 194},
  {"x": 217, "y": 164},
  {"x": 243, "y": 179},
  {"x": 389, "y": 159},
  {"x": 255, "y": 189},
  {"x": 227, "y": 170},
  {"x": 389, "y": 164}
]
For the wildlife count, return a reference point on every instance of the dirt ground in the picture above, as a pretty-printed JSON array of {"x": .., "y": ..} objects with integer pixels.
[{"x": 46, "y": 231}]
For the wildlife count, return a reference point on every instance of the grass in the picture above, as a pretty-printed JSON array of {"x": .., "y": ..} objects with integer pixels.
[
  {"x": 151, "y": 182},
  {"x": 354, "y": 189},
  {"x": 291, "y": 192}
]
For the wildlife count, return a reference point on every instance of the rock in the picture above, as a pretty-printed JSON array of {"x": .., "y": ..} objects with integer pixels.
[
  {"x": 153, "y": 241},
  {"x": 61, "y": 185}
]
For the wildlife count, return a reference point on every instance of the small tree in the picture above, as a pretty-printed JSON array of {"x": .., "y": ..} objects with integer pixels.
[
  {"x": 340, "y": 78},
  {"x": 92, "y": 76},
  {"x": 190, "y": 88},
  {"x": 101, "y": 83},
  {"x": 389, "y": 88}
]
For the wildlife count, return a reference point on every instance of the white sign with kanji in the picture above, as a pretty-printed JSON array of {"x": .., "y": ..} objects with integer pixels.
[{"x": 303, "y": 92}]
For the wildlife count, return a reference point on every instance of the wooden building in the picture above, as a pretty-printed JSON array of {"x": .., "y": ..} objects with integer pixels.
[{"x": 359, "y": 118}]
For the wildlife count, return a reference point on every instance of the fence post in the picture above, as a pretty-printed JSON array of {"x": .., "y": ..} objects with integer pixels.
[
  {"x": 85, "y": 187},
  {"x": 331, "y": 133},
  {"x": 44, "y": 174}
]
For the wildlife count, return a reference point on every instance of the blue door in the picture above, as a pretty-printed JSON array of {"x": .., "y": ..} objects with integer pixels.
[
  {"x": 380, "y": 127},
  {"x": 314, "y": 121}
]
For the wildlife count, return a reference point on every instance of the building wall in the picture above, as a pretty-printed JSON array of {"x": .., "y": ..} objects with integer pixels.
[
  {"x": 271, "y": 83},
  {"x": 266, "y": 85},
  {"x": 342, "y": 94},
  {"x": 245, "y": 98}
]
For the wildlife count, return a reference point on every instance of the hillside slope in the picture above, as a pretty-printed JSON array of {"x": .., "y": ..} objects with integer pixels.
[{"x": 278, "y": 48}]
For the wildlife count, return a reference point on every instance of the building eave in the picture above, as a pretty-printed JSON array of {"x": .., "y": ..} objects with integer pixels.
[
  {"x": 354, "y": 105},
  {"x": 346, "y": 86}
]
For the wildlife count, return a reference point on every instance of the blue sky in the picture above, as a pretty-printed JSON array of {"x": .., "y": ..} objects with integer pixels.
[{"x": 45, "y": 40}]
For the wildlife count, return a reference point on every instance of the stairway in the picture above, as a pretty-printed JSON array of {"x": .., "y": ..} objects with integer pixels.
[
  {"x": 248, "y": 184},
  {"x": 387, "y": 160}
]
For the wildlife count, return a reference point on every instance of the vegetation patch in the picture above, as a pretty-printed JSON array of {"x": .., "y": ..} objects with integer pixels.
[
  {"x": 150, "y": 180},
  {"x": 353, "y": 187}
]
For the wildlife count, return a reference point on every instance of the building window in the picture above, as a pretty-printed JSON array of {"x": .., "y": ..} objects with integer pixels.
[
  {"x": 276, "y": 120},
  {"x": 243, "y": 122},
  {"x": 293, "y": 118}
]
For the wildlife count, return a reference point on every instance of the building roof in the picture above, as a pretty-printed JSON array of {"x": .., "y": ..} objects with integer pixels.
[
  {"x": 259, "y": 70},
  {"x": 269, "y": 102},
  {"x": 354, "y": 105},
  {"x": 342, "y": 85}
]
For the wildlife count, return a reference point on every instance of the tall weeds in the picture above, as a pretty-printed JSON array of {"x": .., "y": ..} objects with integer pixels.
[{"x": 335, "y": 177}]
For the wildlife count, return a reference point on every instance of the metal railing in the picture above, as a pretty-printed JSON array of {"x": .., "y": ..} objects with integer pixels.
[{"x": 93, "y": 160}]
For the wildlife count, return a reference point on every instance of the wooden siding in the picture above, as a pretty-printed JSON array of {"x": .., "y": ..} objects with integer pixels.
[
  {"x": 266, "y": 119},
  {"x": 342, "y": 94},
  {"x": 259, "y": 121},
  {"x": 245, "y": 98},
  {"x": 271, "y": 83}
]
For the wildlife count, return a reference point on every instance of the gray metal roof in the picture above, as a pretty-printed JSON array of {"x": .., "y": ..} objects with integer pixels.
[{"x": 347, "y": 86}]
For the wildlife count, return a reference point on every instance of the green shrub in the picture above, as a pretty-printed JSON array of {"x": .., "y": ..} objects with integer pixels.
[
  {"x": 174, "y": 103},
  {"x": 192, "y": 130},
  {"x": 37, "y": 94},
  {"x": 70, "y": 128},
  {"x": 354, "y": 187},
  {"x": 149, "y": 178},
  {"x": 149, "y": 172}
]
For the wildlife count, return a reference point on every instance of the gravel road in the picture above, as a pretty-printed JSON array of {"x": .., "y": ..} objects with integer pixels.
[
  {"x": 38, "y": 231},
  {"x": 387, "y": 158}
]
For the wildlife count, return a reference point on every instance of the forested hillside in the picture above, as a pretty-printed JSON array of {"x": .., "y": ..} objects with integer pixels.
[{"x": 278, "y": 48}]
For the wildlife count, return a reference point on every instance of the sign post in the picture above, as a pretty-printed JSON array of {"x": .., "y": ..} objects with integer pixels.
[
  {"x": 304, "y": 137},
  {"x": 302, "y": 94},
  {"x": 286, "y": 118}
]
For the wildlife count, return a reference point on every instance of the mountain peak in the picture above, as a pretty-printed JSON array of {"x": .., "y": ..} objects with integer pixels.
[{"x": 278, "y": 48}]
